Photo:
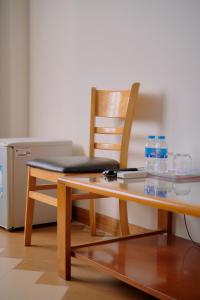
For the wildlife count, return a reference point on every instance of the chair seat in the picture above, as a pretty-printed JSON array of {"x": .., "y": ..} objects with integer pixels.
[{"x": 74, "y": 164}]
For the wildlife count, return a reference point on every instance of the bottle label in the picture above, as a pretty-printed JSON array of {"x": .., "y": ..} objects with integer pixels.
[
  {"x": 150, "y": 152},
  {"x": 162, "y": 153},
  {"x": 149, "y": 189},
  {"x": 154, "y": 191}
]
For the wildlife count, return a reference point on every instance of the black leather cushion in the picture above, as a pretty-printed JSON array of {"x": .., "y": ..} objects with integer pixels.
[{"x": 74, "y": 164}]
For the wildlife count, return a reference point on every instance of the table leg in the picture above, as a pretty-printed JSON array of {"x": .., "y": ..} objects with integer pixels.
[
  {"x": 165, "y": 221},
  {"x": 123, "y": 217},
  {"x": 64, "y": 231}
]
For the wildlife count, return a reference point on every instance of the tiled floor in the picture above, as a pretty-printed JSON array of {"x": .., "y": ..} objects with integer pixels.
[{"x": 31, "y": 272}]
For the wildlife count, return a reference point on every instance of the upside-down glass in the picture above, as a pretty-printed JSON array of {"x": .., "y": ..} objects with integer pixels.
[{"x": 182, "y": 163}]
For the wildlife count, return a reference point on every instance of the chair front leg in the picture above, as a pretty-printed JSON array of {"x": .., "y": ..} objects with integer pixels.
[{"x": 30, "y": 203}]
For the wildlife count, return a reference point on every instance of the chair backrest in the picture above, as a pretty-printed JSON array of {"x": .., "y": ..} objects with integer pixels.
[{"x": 113, "y": 104}]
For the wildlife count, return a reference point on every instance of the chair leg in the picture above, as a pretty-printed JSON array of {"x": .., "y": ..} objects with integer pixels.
[
  {"x": 92, "y": 217},
  {"x": 29, "y": 210},
  {"x": 123, "y": 217}
]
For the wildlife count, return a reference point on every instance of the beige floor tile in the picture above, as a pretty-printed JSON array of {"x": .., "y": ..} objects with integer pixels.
[
  {"x": 7, "y": 264},
  {"x": 18, "y": 285}
]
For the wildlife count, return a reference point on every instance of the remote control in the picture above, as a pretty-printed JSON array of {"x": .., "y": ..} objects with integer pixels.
[{"x": 133, "y": 174}]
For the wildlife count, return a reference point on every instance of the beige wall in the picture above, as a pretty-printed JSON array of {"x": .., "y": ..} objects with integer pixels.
[
  {"x": 77, "y": 44},
  {"x": 14, "y": 79},
  {"x": 110, "y": 44}
]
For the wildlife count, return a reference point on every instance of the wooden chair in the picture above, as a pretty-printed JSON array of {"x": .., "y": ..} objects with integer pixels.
[{"x": 105, "y": 104}]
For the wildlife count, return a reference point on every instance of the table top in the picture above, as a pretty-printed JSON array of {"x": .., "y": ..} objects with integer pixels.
[{"x": 179, "y": 197}]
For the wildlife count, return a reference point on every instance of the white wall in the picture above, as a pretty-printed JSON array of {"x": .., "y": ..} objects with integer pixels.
[
  {"x": 14, "y": 79},
  {"x": 77, "y": 44}
]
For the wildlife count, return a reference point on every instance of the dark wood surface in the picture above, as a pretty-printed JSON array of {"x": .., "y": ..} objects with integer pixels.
[{"x": 162, "y": 265}]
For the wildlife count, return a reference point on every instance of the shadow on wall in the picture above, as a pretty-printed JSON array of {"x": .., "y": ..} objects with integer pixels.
[
  {"x": 150, "y": 107},
  {"x": 149, "y": 119}
]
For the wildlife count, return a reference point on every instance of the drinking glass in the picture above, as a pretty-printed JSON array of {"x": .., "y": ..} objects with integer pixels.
[
  {"x": 170, "y": 161},
  {"x": 182, "y": 189},
  {"x": 182, "y": 163}
]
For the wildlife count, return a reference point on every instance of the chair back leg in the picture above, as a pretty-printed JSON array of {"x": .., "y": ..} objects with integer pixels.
[{"x": 124, "y": 227}]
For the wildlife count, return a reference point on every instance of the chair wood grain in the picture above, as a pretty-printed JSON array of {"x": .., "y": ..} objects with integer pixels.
[
  {"x": 111, "y": 104},
  {"x": 109, "y": 130},
  {"x": 107, "y": 104},
  {"x": 30, "y": 203}
]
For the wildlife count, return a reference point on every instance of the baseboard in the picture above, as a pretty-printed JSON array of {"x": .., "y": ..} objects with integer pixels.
[{"x": 103, "y": 222}]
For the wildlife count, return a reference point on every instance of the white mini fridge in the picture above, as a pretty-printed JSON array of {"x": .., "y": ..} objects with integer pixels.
[{"x": 14, "y": 153}]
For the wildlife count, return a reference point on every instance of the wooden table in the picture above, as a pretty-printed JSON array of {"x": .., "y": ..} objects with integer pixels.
[{"x": 158, "y": 263}]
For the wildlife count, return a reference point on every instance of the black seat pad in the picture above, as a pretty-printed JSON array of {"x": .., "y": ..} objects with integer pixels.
[{"x": 74, "y": 164}]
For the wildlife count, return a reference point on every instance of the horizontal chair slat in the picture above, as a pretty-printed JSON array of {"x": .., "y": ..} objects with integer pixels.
[
  {"x": 43, "y": 198},
  {"x": 111, "y": 104},
  {"x": 107, "y": 146},
  {"x": 46, "y": 186},
  {"x": 46, "y": 175},
  {"x": 109, "y": 130}
]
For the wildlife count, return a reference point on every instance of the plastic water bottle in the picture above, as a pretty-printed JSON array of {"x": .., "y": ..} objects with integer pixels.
[
  {"x": 150, "y": 153},
  {"x": 161, "y": 155},
  {"x": 1, "y": 182}
]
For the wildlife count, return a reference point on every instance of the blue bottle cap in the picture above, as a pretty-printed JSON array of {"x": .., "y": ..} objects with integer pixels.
[
  {"x": 161, "y": 137},
  {"x": 151, "y": 137}
]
